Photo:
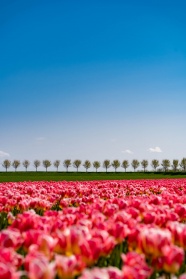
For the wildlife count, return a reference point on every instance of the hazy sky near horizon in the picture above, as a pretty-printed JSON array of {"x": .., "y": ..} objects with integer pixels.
[{"x": 92, "y": 79}]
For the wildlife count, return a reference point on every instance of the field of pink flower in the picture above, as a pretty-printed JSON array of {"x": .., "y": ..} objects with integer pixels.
[{"x": 93, "y": 230}]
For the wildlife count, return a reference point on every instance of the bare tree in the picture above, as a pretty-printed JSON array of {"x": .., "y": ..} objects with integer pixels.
[
  {"x": 6, "y": 164},
  {"x": 175, "y": 164},
  {"x": 183, "y": 164},
  {"x": 135, "y": 164},
  {"x": 16, "y": 164},
  {"x": 26, "y": 164},
  {"x": 46, "y": 164},
  {"x": 155, "y": 164},
  {"x": 37, "y": 163},
  {"x": 77, "y": 164},
  {"x": 165, "y": 164},
  {"x": 96, "y": 165},
  {"x": 125, "y": 164},
  {"x": 56, "y": 164},
  {"x": 87, "y": 164},
  {"x": 144, "y": 164},
  {"x": 106, "y": 164},
  {"x": 67, "y": 164},
  {"x": 116, "y": 164}
]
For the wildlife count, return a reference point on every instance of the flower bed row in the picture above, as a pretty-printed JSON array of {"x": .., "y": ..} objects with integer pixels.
[{"x": 103, "y": 229}]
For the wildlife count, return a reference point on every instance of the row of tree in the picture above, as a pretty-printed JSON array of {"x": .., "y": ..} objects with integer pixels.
[{"x": 165, "y": 164}]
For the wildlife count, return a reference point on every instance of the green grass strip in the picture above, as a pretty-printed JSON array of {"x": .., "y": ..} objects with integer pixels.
[{"x": 83, "y": 176}]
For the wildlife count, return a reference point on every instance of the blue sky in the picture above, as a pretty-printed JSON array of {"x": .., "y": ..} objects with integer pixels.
[{"x": 92, "y": 80}]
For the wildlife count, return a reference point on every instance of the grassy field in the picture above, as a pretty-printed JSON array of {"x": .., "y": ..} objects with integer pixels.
[{"x": 83, "y": 176}]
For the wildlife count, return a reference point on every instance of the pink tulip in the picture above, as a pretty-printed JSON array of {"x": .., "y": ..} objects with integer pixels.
[
  {"x": 46, "y": 244},
  {"x": 114, "y": 273},
  {"x": 26, "y": 221},
  {"x": 104, "y": 240},
  {"x": 10, "y": 238},
  {"x": 149, "y": 217},
  {"x": 68, "y": 241},
  {"x": 135, "y": 266},
  {"x": 30, "y": 237},
  {"x": 151, "y": 241},
  {"x": 38, "y": 266},
  {"x": 5, "y": 272},
  {"x": 10, "y": 258},
  {"x": 118, "y": 230},
  {"x": 90, "y": 250},
  {"x": 102, "y": 273},
  {"x": 8, "y": 272},
  {"x": 39, "y": 269},
  {"x": 180, "y": 209},
  {"x": 68, "y": 267},
  {"x": 172, "y": 259}
]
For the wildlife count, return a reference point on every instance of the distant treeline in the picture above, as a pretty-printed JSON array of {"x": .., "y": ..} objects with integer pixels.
[{"x": 165, "y": 165}]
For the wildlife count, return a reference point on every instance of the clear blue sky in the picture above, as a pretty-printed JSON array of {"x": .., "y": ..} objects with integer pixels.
[{"x": 92, "y": 79}]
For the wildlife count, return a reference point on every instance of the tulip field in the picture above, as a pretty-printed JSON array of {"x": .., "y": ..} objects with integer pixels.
[{"x": 119, "y": 229}]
